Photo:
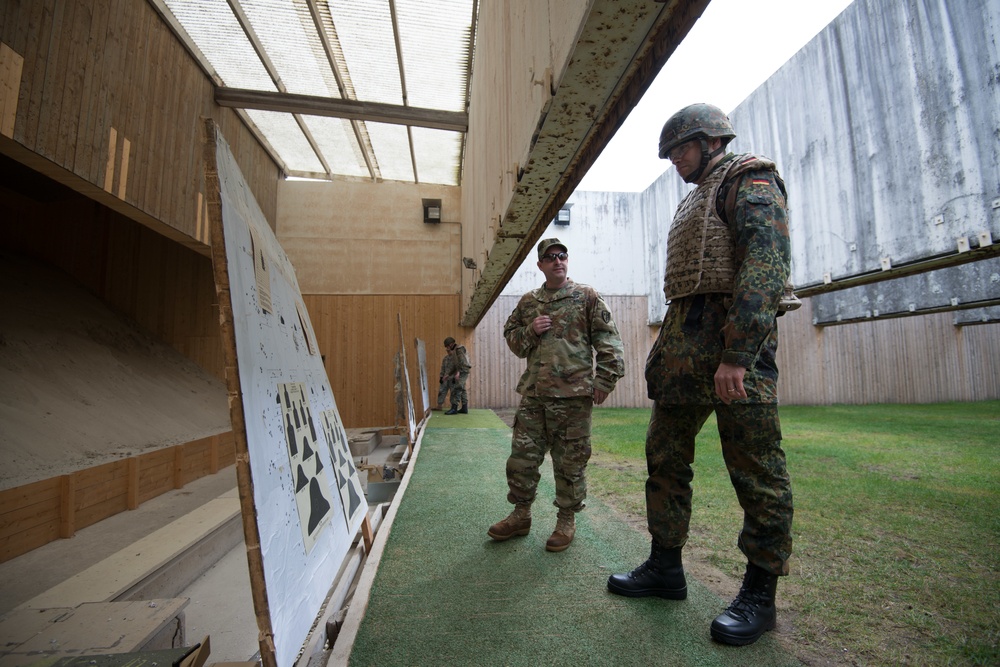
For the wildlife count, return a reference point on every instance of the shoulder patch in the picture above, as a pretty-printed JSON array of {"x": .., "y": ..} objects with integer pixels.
[
  {"x": 606, "y": 316},
  {"x": 760, "y": 181}
]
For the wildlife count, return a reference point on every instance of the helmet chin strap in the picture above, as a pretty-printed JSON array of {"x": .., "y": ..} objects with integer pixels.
[{"x": 706, "y": 157}]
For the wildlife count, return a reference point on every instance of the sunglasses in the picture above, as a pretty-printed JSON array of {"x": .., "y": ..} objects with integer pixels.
[{"x": 553, "y": 256}]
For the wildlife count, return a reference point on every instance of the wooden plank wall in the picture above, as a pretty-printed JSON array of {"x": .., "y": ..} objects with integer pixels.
[
  {"x": 496, "y": 370},
  {"x": 346, "y": 237},
  {"x": 359, "y": 336},
  {"x": 35, "y": 514},
  {"x": 922, "y": 359},
  {"x": 111, "y": 103},
  {"x": 164, "y": 287}
]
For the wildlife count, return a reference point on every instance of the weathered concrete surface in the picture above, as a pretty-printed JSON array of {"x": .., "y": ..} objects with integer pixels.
[
  {"x": 885, "y": 129},
  {"x": 974, "y": 288}
]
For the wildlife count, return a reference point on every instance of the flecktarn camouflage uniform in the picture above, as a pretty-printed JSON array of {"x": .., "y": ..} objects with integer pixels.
[
  {"x": 461, "y": 365},
  {"x": 723, "y": 309},
  {"x": 557, "y": 387},
  {"x": 446, "y": 380}
]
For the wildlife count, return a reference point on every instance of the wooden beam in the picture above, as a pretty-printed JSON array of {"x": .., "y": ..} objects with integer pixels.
[
  {"x": 313, "y": 105},
  {"x": 67, "y": 506},
  {"x": 132, "y": 501}
]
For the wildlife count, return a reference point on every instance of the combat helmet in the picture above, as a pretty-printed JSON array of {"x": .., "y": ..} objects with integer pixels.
[
  {"x": 449, "y": 341},
  {"x": 696, "y": 121}
]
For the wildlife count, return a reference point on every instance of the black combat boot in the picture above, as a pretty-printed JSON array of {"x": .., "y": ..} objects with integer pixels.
[
  {"x": 662, "y": 575},
  {"x": 464, "y": 410},
  {"x": 752, "y": 613},
  {"x": 453, "y": 411}
]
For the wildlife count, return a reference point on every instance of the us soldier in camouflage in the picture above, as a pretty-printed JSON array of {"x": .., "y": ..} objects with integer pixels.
[
  {"x": 446, "y": 379},
  {"x": 458, "y": 370},
  {"x": 557, "y": 327},
  {"x": 727, "y": 265}
]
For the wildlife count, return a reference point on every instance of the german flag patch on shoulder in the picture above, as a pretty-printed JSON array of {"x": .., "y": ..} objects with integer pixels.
[{"x": 760, "y": 181}]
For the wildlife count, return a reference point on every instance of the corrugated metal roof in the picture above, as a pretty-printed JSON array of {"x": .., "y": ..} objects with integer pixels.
[{"x": 374, "y": 89}]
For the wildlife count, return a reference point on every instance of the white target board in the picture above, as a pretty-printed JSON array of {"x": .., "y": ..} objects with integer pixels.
[{"x": 301, "y": 496}]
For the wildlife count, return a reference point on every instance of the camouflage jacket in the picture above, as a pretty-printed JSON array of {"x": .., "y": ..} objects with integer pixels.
[
  {"x": 448, "y": 365},
  {"x": 461, "y": 359},
  {"x": 703, "y": 330},
  {"x": 561, "y": 360}
]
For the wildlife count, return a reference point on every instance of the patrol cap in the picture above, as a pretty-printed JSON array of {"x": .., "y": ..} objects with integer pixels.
[
  {"x": 545, "y": 244},
  {"x": 449, "y": 341}
]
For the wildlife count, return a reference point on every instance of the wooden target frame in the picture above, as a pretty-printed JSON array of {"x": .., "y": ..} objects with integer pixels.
[{"x": 300, "y": 495}]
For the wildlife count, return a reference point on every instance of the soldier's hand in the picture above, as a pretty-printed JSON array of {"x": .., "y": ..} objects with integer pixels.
[
  {"x": 599, "y": 396},
  {"x": 541, "y": 324},
  {"x": 729, "y": 383}
]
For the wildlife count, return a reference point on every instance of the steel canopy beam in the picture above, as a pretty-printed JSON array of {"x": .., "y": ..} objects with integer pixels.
[{"x": 622, "y": 47}]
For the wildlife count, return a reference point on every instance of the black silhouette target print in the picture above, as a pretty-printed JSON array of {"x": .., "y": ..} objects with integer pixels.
[
  {"x": 312, "y": 488},
  {"x": 346, "y": 474}
]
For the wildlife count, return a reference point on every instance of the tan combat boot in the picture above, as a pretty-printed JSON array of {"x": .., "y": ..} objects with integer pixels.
[
  {"x": 563, "y": 534},
  {"x": 517, "y": 523}
]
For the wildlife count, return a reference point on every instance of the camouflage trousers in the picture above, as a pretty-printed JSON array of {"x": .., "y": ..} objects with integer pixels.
[
  {"x": 459, "y": 396},
  {"x": 751, "y": 447},
  {"x": 444, "y": 388},
  {"x": 560, "y": 426}
]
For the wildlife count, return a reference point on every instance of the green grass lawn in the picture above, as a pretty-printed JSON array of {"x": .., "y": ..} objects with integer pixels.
[{"x": 896, "y": 531}]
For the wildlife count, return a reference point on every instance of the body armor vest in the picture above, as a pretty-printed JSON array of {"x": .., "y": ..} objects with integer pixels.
[{"x": 701, "y": 252}]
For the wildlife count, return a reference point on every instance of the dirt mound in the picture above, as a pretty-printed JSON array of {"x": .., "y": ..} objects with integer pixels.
[{"x": 80, "y": 385}]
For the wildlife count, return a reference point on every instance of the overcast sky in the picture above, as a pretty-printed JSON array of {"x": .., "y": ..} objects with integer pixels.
[{"x": 709, "y": 66}]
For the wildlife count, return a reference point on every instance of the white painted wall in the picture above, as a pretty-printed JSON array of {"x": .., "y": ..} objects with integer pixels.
[{"x": 606, "y": 239}]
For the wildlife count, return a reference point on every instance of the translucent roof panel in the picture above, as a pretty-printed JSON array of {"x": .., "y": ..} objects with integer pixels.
[
  {"x": 214, "y": 29},
  {"x": 289, "y": 36},
  {"x": 434, "y": 40},
  {"x": 336, "y": 141},
  {"x": 285, "y": 136},
  {"x": 437, "y": 154},
  {"x": 346, "y": 52},
  {"x": 392, "y": 149},
  {"x": 364, "y": 30}
]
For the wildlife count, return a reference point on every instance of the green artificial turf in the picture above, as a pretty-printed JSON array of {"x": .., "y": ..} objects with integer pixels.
[{"x": 446, "y": 594}]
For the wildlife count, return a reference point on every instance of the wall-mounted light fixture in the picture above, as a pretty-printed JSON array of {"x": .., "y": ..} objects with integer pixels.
[
  {"x": 469, "y": 262},
  {"x": 432, "y": 210},
  {"x": 562, "y": 217}
]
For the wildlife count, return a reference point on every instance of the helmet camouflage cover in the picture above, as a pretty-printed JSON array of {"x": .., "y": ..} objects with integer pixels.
[
  {"x": 696, "y": 120},
  {"x": 449, "y": 341}
]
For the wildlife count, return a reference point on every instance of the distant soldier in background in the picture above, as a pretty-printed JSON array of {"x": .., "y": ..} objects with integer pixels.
[
  {"x": 458, "y": 372},
  {"x": 446, "y": 380},
  {"x": 557, "y": 327},
  {"x": 728, "y": 257}
]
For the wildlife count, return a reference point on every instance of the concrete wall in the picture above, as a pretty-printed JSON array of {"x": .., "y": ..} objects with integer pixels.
[
  {"x": 606, "y": 240},
  {"x": 886, "y": 123},
  {"x": 884, "y": 128}
]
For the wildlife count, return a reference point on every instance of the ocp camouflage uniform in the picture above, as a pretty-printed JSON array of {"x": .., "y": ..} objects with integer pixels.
[
  {"x": 461, "y": 365},
  {"x": 557, "y": 387},
  {"x": 723, "y": 283},
  {"x": 446, "y": 380}
]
